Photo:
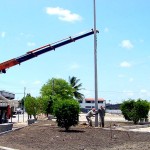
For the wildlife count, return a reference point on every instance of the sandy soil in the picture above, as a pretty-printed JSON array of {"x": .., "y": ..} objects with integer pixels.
[{"x": 45, "y": 135}]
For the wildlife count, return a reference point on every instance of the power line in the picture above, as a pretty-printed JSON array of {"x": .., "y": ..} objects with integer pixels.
[{"x": 113, "y": 91}]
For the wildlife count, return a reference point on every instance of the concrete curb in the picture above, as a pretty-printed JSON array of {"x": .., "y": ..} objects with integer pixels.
[
  {"x": 136, "y": 126},
  {"x": 13, "y": 129}
]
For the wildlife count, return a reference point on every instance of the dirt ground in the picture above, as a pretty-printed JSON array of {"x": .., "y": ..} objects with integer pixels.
[{"x": 45, "y": 135}]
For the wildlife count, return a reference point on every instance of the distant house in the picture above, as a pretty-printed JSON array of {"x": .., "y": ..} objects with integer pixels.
[{"x": 89, "y": 103}]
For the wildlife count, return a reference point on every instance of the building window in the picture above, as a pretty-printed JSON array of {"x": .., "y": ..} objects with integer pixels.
[
  {"x": 87, "y": 106},
  {"x": 88, "y": 101}
]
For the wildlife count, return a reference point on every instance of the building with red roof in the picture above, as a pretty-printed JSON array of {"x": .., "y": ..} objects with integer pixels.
[{"x": 89, "y": 103}]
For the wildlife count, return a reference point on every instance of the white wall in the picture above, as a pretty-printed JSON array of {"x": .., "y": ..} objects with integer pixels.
[{"x": 91, "y": 105}]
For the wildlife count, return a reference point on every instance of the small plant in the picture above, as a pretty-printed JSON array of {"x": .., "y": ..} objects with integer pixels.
[{"x": 67, "y": 113}]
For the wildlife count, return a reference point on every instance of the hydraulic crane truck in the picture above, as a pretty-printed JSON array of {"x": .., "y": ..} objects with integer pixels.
[
  {"x": 41, "y": 50},
  {"x": 34, "y": 53}
]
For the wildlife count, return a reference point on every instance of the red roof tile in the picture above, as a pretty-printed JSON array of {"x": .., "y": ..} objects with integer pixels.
[{"x": 93, "y": 99}]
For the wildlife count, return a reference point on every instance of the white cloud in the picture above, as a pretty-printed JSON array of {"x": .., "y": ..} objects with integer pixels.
[
  {"x": 2, "y": 34},
  {"x": 131, "y": 79},
  {"x": 37, "y": 82},
  {"x": 126, "y": 44},
  {"x": 125, "y": 64},
  {"x": 143, "y": 91},
  {"x": 63, "y": 14},
  {"x": 106, "y": 30},
  {"x": 23, "y": 82},
  {"x": 129, "y": 93},
  {"x": 141, "y": 41},
  {"x": 74, "y": 66},
  {"x": 121, "y": 75},
  {"x": 28, "y": 35},
  {"x": 31, "y": 44},
  {"x": 87, "y": 93}
]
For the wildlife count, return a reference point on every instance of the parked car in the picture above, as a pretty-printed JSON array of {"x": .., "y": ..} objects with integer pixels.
[{"x": 19, "y": 111}]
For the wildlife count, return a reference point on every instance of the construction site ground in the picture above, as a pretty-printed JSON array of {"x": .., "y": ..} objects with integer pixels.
[{"x": 118, "y": 134}]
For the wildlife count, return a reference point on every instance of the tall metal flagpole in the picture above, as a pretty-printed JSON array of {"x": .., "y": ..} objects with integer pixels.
[{"x": 95, "y": 64}]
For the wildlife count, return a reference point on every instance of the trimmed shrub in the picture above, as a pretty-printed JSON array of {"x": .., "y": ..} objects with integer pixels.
[
  {"x": 67, "y": 113},
  {"x": 135, "y": 110},
  {"x": 127, "y": 109}
]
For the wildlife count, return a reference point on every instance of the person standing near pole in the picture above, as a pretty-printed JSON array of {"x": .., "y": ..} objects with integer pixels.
[{"x": 101, "y": 112}]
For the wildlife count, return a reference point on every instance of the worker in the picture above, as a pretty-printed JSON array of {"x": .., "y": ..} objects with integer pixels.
[
  {"x": 90, "y": 114},
  {"x": 101, "y": 112}
]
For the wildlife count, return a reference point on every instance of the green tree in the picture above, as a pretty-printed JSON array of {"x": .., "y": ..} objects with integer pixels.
[
  {"x": 43, "y": 104},
  {"x": 31, "y": 105},
  {"x": 74, "y": 82},
  {"x": 21, "y": 103},
  {"x": 127, "y": 109},
  {"x": 135, "y": 110},
  {"x": 67, "y": 113},
  {"x": 57, "y": 89},
  {"x": 142, "y": 108}
]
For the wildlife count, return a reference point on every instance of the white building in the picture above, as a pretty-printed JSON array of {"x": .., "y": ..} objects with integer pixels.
[
  {"x": 7, "y": 98},
  {"x": 89, "y": 103}
]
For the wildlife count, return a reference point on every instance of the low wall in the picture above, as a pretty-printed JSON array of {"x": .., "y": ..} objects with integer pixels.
[
  {"x": 50, "y": 117},
  {"x": 6, "y": 127},
  {"x": 117, "y": 111},
  {"x": 31, "y": 121}
]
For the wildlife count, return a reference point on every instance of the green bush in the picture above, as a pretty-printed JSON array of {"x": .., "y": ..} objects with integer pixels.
[
  {"x": 142, "y": 108},
  {"x": 135, "y": 110},
  {"x": 67, "y": 113},
  {"x": 127, "y": 109}
]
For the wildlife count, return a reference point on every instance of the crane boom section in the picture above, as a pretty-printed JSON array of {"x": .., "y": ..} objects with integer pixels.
[
  {"x": 41, "y": 50},
  {"x": 50, "y": 47}
]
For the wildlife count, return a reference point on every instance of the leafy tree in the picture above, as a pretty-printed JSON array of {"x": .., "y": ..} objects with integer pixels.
[
  {"x": 74, "y": 82},
  {"x": 21, "y": 103},
  {"x": 127, "y": 108},
  {"x": 57, "y": 89},
  {"x": 135, "y": 110},
  {"x": 43, "y": 104},
  {"x": 142, "y": 108},
  {"x": 67, "y": 112},
  {"x": 31, "y": 105}
]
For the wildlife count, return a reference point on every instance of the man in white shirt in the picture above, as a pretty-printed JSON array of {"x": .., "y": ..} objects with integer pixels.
[{"x": 90, "y": 114}]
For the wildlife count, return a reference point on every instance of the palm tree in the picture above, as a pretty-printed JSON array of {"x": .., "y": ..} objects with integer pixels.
[{"x": 74, "y": 82}]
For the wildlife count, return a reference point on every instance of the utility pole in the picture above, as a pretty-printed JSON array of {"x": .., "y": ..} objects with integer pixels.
[
  {"x": 95, "y": 64},
  {"x": 23, "y": 102}
]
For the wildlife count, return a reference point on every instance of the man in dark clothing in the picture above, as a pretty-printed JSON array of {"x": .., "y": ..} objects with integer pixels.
[{"x": 101, "y": 112}]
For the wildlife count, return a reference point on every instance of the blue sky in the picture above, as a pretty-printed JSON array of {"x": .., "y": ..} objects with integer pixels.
[{"x": 123, "y": 57}]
